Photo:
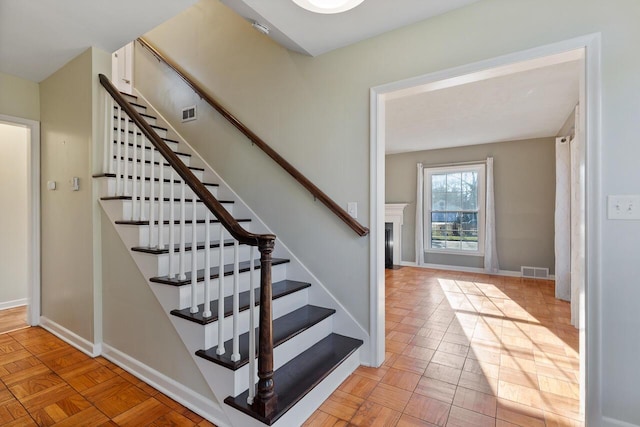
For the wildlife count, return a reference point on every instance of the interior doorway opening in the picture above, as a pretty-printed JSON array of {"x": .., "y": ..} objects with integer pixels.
[
  {"x": 463, "y": 75},
  {"x": 20, "y": 145}
]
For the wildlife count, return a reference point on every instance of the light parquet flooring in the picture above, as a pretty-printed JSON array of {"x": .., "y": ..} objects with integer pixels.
[
  {"x": 465, "y": 350},
  {"x": 13, "y": 319},
  {"x": 46, "y": 382}
]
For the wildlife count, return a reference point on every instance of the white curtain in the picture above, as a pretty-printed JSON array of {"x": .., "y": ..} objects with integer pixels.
[
  {"x": 490, "y": 250},
  {"x": 420, "y": 216},
  {"x": 563, "y": 219}
]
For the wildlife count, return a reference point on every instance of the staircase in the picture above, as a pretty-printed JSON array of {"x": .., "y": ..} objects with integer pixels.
[{"x": 214, "y": 285}]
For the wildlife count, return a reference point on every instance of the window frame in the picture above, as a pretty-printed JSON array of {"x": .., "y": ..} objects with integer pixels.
[{"x": 480, "y": 168}]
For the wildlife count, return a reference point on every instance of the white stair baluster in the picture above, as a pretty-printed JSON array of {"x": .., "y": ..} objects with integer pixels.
[
  {"x": 111, "y": 140},
  {"x": 182, "y": 275},
  {"x": 221, "y": 350},
  {"x": 235, "y": 356},
  {"x": 172, "y": 233},
  {"x": 143, "y": 179},
  {"x": 194, "y": 258},
  {"x": 152, "y": 194},
  {"x": 105, "y": 142},
  {"x": 161, "y": 203},
  {"x": 125, "y": 157},
  {"x": 119, "y": 154},
  {"x": 135, "y": 179},
  {"x": 252, "y": 326},
  {"x": 207, "y": 264}
]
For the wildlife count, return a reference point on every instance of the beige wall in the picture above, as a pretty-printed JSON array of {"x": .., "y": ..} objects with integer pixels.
[
  {"x": 524, "y": 173},
  {"x": 19, "y": 97},
  {"x": 68, "y": 133},
  {"x": 134, "y": 321},
  {"x": 14, "y": 142},
  {"x": 315, "y": 111}
]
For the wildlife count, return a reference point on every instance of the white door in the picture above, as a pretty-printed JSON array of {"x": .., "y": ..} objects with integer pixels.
[{"x": 122, "y": 68}]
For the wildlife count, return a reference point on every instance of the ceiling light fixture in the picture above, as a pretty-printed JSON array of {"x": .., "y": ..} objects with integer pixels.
[{"x": 328, "y": 6}]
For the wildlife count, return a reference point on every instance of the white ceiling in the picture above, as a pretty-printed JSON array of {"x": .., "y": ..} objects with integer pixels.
[
  {"x": 532, "y": 99},
  {"x": 37, "y": 37},
  {"x": 314, "y": 34}
]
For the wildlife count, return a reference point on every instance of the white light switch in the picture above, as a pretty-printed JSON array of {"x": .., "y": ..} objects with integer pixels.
[
  {"x": 51, "y": 185},
  {"x": 623, "y": 207},
  {"x": 352, "y": 209}
]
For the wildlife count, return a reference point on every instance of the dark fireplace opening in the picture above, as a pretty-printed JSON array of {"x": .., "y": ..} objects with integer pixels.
[{"x": 388, "y": 245}]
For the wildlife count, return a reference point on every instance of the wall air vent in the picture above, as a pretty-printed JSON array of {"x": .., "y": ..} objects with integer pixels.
[
  {"x": 189, "y": 114},
  {"x": 534, "y": 272}
]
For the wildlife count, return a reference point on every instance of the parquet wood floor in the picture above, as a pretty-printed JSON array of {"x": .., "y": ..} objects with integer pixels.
[
  {"x": 12, "y": 319},
  {"x": 46, "y": 382},
  {"x": 465, "y": 350}
]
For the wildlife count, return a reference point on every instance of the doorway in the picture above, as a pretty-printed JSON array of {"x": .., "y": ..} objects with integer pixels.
[
  {"x": 20, "y": 142},
  {"x": 448, "y": 78}
]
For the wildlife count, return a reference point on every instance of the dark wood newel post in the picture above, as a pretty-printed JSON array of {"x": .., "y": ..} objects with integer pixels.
[{"x": 266, "y": 399}]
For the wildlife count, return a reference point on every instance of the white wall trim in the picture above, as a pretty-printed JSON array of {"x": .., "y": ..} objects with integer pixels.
[
  {"x": 15, "y": 303},
  {"x": 593, "y": 288},
  {"x": 506, "y": 273},
  {"x": 199, "y": 404},
  {"x": 71, "y": 338},
  {"x": 33, "y": 222}
]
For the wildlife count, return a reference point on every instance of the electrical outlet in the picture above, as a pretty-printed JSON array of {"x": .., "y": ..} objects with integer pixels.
[{"x": 623, "y": 207}]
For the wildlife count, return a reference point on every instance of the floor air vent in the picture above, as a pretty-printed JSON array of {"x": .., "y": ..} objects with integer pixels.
[{"x": 534, "y": 272}]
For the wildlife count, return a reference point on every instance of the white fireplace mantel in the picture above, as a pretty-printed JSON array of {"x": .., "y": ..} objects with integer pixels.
[{"x": 394, "y": 213}]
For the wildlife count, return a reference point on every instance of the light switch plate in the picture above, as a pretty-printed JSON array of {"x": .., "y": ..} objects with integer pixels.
[
  {"x": 623, "y": 207},
  {"x": 352, "y": 209}
]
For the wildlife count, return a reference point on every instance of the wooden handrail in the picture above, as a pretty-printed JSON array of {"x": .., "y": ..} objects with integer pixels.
[
  {"x": 226, "y": 219},
  {"x": 295, "y": 173},
  {"x": 266, "y": 400}
]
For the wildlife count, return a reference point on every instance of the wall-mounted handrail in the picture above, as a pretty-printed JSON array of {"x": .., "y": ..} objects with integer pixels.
[
  {"x": 295, "y": 173},
  {"x": 266, "y": 400}
]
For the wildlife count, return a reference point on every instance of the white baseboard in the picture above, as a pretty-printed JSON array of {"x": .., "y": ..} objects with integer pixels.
[
  {"x": 463, "y": 269},
  {"x": 12, "y": 304},
  {"x": 199, "y": 404},
  {"x": 612, "y": 422},
  {"x": 71, "y": 338}
]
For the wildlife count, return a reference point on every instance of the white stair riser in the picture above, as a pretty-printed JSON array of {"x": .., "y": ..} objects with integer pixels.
[
  {"x": 279, "y": 272},
  {"x": 108, "y": 188},
  {"x": 199, "y": 337},
  {"x": 143, "y": 232},
  {"x": 160, "y": 263},
  {"x": 286, "y": 351},
  {"x": 201, "y": 209},
  {"x": 150, "y": 120},
  {"x": 147, "y": 165},
  {"x": 135, "y": 107},
  {"x": 140, "y": 138}
]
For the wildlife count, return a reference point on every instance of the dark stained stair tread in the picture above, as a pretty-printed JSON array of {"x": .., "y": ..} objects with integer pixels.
[
  {"x": 156, "y": 163},
  {"x": 153, "y": 126},
  {"x": 300, "y": 375},
  {"x": 284, "y": 328},
  {"x": 279, "y": 290},
  {"x": 166, "y": 199},
  {"x": 213, "y": 273},
  {"x": 148, "y": 147},
  {"x": 187, "y": 247},
  {"x": 176, "y": 222},
  {"x": 147, "y": 178}
]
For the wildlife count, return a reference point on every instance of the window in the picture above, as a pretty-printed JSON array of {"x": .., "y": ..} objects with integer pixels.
[{"x": 454, "y": 209}]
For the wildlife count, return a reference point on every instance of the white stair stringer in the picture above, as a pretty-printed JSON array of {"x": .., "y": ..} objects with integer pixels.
[{"x": 222, "y": 381}]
